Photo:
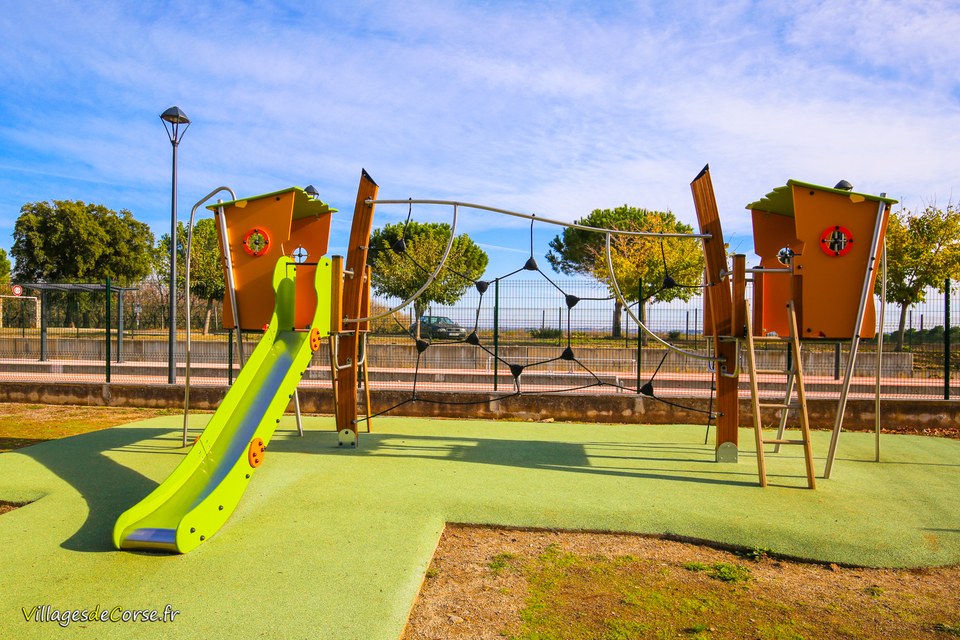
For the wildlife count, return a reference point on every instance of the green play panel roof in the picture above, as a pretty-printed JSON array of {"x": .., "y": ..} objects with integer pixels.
[
  {"x": 780, "y": 200},
  {"x": 332, "y": 542}
]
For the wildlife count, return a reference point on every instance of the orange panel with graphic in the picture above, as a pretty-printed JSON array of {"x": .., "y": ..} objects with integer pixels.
[
  {"x": 829, "y": 232},
  {"x": 258, "y": 231}
]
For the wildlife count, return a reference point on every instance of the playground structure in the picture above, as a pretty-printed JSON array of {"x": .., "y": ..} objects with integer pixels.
[
  {"x": 278, "y": 282},
  {"x": 819, "y": 250}
]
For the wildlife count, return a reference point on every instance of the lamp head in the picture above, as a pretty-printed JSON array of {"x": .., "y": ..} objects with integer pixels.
[
  {"x": 172, "y": 119},
  {"x": 174, "y": 115}
]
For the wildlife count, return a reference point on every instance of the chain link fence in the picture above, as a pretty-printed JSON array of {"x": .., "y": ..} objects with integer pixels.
[{"x": 541, "y": 335}]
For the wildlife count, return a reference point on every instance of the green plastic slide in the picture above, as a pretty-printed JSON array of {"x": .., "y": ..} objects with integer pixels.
[{"x": 204, "y": 489}]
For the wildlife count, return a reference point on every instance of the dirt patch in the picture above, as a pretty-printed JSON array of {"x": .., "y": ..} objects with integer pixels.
[
  {"x": 495, "y": 583},
  {"x": 8, "y": 506}
]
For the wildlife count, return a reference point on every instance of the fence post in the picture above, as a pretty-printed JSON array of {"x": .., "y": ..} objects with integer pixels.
[
  {"x": 639, "y": 331},
  {"x": 43, "y": 325},
  {"x": 496, "y": 332},
  {"x": 108, "y": 331},
  {"x": 946, "y": 342},
  {"x": 120, "y": 325},
  {"x": 560, "y": 325}
]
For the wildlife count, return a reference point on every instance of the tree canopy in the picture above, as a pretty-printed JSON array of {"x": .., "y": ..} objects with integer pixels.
[
  {"x": 635, "y": 259},
  {"x": 923, "y": 250},
  {"x": 206, "y": 270},
  {"x": 70, "y": 241},
  {"x": 402, "y": 257},
  {"x": 4, "y": 271}
]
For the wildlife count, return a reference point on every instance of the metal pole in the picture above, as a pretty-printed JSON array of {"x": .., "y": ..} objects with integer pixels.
[
  {"x": 496, "y": 333},
  {"x": 883, "y": 311},
  {"x": 229, "y": 357},
  {"x": 639, "y": 333},
  {"x": 172, "y": 319},
  {"x": 855, "y": 340},
  {"x": 946, "y": 341},
  {"x": 231, "y": 286},
  {"x": 119, "y": 325},
  {"x": 108, "y": 332},
  {"x": 43, "y": 326},
  {"x": 187, "y": 311}
]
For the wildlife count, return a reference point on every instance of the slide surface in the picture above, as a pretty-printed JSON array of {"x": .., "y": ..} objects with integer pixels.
[{"x": 204, "y": 489}]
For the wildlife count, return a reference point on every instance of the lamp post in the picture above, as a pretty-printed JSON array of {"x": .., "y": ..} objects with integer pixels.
[{"x": 172, "y": 119}]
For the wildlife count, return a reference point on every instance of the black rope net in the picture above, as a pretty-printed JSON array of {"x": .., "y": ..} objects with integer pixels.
[{"x": 567, "y": 353}]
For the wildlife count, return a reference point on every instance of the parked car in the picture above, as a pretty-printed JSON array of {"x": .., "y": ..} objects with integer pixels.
[{"x": 439, "y": 328}]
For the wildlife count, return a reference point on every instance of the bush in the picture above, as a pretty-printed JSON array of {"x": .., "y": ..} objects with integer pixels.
[{"x": 545, "y": 333}]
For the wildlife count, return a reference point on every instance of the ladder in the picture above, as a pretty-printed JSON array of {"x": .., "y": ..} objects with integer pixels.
[{"x": 794, "y": 373}]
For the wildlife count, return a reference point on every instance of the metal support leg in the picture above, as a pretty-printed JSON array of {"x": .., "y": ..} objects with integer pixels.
[
  {"x": 296, "y": 410},
  {"x": 334, "y": 343}
]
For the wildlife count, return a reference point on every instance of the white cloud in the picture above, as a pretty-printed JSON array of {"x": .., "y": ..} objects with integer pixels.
[{"x": 553, "y": 108}]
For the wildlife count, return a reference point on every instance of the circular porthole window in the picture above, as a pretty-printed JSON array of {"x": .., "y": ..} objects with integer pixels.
[
  {"x": 256, "y": 242},
  {"x": 836, "y": 241}
]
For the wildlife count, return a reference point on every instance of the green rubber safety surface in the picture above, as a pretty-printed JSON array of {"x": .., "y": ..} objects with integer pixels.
[{"x": 332, "y": 542}]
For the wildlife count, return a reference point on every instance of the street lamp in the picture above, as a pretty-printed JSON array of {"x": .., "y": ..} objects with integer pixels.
[{"x": 172, "y": 119}]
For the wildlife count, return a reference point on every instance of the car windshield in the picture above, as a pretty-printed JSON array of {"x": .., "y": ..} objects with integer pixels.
[{"x": 436, "y": 320}]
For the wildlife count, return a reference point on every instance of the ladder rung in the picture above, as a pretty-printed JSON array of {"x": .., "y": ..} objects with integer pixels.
[
  {"x": 777, "y": 405},
  {"x": 772, "y": 339},
  {"x": 776, "y": 441},
  {"x": 769, "y": 372}
]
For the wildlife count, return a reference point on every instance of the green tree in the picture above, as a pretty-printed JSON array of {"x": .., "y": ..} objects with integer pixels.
[
  {"x": 635, "y": 259},
  {"x": 403, "y": 257},
  {"x": 4, "y": 271},
  {"x": 206, "y": 270},
  {"x": 70, "y": 241},
  {"x": 4, "y": 280},
  {"x": 923, "y": 250}
]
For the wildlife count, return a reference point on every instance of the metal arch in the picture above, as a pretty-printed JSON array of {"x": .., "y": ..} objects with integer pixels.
[
  {"x": 433, "y": 276},
  {"x": 608, "y": 232},
  {"x": 527, "y": 216},
  {"x": 619, "y": 295},
  {"x": 186, "y": 298}
]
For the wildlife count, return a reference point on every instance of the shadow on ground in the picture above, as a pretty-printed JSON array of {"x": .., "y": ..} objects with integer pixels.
[{"x": 106, "y": 486}]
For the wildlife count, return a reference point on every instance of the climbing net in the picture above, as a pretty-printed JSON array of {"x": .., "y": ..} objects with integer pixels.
[{"x": 565, "y": 351}]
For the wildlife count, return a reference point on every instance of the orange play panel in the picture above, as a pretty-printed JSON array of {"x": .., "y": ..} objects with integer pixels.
[
  {"x": 829, "y": 232},
  {"x": 259, "y": 230}
]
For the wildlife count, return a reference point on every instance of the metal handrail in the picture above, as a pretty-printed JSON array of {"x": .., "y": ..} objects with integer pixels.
[
  {"x": 186, "y": 298},
  {"x": 433, "y": 276},
  {"x": 620, "y": 298},
  {"x": 530, "y": 216}
]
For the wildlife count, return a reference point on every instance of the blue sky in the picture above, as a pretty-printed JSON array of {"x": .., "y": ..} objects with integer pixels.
[{"x": 554, "y": 108}]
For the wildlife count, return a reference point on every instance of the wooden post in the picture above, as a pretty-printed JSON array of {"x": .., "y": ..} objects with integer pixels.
[
  {"x": 720, "y": 318},
  {"x": 353, "y": 293}
]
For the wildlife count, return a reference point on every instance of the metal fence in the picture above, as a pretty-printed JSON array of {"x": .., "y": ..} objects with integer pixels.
[{"x": 542, "y": 335}]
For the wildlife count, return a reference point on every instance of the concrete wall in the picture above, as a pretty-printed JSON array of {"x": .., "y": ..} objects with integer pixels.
[{"x": 621, "y": 408}]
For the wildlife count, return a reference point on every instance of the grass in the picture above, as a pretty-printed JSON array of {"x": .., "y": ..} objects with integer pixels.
[
  {"x": 947, "y": 629},
  {"x": 500, "y": 562},
  {"x": 22, "y": 425},
  {"x": 576, "y": 597},
  {"x": 722, "y": 571}
]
